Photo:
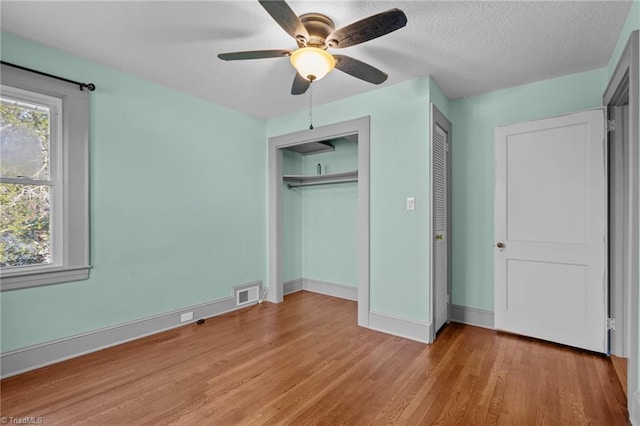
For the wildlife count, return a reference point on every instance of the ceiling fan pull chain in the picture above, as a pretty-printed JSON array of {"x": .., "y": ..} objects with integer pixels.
[{"x": 310, "y": 106}]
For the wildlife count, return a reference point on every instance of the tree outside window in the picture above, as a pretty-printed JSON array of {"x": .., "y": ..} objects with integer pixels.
[{"x": 25, "y": 193}]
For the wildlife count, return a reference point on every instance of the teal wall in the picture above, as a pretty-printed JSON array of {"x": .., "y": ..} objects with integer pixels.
[
  {"x": 174, "y": 222},
  {"x": 330, "y": 218},
  {"x": 438, "y": 98},
  {"x": 399, "y": 161},
  {"x": 632, "y": 23},
  {"x": 474, "y": 120},
  {"x": 291, "y": 220}
]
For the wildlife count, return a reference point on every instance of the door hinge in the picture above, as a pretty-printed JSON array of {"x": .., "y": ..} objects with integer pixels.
[
  {"x": 611, "y": 323},
  {"x": 611, "y": 125}
]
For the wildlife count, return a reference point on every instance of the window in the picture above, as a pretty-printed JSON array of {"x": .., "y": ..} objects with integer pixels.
[
  {"x": 29, "y": 179},
  {"x": 43, "y": 180}
]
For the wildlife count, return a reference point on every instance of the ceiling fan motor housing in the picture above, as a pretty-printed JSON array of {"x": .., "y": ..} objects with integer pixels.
[{"x": 318, "y": 26}]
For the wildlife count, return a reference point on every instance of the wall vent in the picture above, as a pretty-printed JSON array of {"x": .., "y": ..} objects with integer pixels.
[{"x": 247, "y": 295}]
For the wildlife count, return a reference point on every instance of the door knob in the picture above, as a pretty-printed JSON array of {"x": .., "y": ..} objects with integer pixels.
[
  {"x": 500, "y": 245},
  {"x": 439, "y": 237}
]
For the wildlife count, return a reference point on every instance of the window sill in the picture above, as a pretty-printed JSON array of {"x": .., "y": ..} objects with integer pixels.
[{"x": 45, "y": 276}]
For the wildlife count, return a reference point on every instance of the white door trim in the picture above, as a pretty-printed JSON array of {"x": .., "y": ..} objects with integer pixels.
[
  {"x": 625, "y": 82},
  {"x": 358, "y": 126}
]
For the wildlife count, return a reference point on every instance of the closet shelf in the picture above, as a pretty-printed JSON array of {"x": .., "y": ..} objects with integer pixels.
[
  {"x": 311, "y": 148},
  {"x": 309, "y": 180}
]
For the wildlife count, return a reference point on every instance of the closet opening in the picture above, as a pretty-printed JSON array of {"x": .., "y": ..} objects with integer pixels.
[{"x": 319, "y": 213}]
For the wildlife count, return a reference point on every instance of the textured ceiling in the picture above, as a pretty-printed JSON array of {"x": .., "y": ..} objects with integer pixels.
[{"x": 469, "y": 47}]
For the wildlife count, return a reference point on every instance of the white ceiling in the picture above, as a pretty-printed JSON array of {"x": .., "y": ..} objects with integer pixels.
[{"x": 469, "y": 47}]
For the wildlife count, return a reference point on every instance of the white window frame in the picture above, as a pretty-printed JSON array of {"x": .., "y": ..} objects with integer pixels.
[{"x": 69, "y": 166}]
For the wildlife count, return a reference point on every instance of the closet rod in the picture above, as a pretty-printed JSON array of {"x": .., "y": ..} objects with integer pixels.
[{"x": 289, "y": 186}]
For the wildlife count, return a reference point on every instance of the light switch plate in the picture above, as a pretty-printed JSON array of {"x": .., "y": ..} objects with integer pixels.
[{"x": 411, "y": 203}]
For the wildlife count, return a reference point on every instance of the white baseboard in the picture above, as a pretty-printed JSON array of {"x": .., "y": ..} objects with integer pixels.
[
  {"x": 292, "y": 286},
  {"x": 330, "y": 289},
  {"x": 471, "y": 316},
  {"x": 31, "y": 357},
  {"x": 634, "y": 408},
  {"x": 402, "y": 327},
  {"x": 385, "y": 323},
  {"x": 323, "y": 287}
]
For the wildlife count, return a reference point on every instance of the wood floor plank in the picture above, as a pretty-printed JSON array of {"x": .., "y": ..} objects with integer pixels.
[
  {"x": 487, "y": 373},
  {"x": 305, "y": 361},
  {"x": 620, "y": 366}
]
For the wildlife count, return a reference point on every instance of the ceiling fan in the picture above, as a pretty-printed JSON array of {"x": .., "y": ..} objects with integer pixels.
[{"x": 314, "y": 34}]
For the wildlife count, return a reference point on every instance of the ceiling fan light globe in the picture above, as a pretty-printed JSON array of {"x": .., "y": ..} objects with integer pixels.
[{"x": 312, "y": 63}]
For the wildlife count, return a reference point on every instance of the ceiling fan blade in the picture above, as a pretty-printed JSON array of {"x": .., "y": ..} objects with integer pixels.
[
  {"x": 360, "y": 69},
  {"x": 300, "y": 85},
  {"x": 285, "y": 17},
  {"x": 367, "y": 29},
  {"x": 253, "y": 54}
]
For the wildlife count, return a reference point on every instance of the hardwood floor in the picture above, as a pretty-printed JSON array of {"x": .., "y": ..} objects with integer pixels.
[
  {"x": 306, "y": 362},
  {"x": 620, "y": 367}
]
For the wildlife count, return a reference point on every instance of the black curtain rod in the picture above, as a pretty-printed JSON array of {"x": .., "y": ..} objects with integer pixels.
[{"x": 89, "y": 86}]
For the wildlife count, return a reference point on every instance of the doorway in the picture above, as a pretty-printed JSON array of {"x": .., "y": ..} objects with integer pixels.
[
  {"x": 320, "y": 218},
  {"x": 621, "y": 96},
  {"x": 354, "y": 128}
]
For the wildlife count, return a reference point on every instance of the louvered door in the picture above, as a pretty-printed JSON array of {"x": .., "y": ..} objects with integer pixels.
[{"x": 440, "y": 223}]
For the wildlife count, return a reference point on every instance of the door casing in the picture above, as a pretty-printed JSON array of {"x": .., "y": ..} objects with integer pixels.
[
  {"x": 358, "y": 126},
  {"x": 624, "y": 85}
]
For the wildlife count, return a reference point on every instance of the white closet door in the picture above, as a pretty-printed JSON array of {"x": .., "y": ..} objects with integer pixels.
[{"x": 441, "y": 239}]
